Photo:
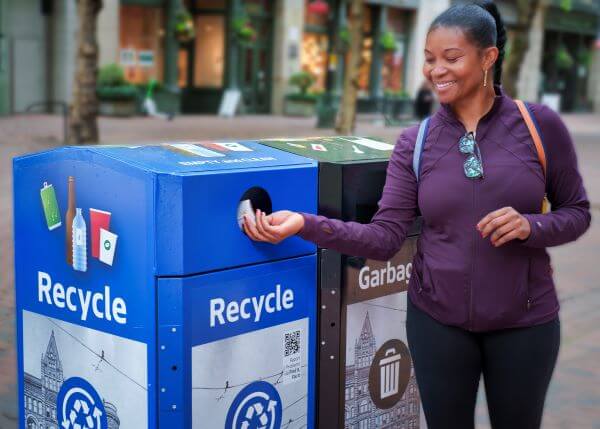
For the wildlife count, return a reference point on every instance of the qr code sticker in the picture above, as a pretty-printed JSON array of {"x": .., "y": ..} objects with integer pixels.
[{"x": 292, "y": 343}]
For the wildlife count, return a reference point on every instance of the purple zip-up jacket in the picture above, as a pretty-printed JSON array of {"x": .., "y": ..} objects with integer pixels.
[{"x": 460, "y": 278}]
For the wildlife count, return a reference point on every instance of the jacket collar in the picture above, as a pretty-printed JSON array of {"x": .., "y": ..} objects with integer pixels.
[{"x": 445, "y": 111}]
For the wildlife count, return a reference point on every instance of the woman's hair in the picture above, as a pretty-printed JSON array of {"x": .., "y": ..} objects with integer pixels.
[{"x": 482, "y": 25}]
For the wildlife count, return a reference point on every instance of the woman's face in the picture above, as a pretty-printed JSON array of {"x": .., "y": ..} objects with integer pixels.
[{"x": 454, "y": 66}]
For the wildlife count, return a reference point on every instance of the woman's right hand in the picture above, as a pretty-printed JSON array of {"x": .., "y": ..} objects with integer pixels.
[{"x": 275, "y": 227}]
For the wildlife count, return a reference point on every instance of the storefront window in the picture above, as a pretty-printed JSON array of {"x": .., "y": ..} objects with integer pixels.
[
  {"x": 313, "y": 55},
  {"x": 392, "y": 70},
  {"x": 314, "y": 58},
  {"x": 364, "y": 71},
  {"x": 182, "y": 67},
  {"x": 141, "y": 41},
  {"x": 209, "y": 51}
]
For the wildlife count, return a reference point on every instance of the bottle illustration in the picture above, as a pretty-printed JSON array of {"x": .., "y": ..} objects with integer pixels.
[
  {"x": 79, "y": 243},
  {"x": 69, "y": 221}
]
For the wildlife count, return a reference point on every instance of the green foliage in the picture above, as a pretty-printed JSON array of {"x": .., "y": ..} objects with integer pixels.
[
  {"x": 303, "y": 80},
  {"x": 343, "y": 38},
  {"x": 566, "y": 5},
  {"x": 111, "y": 75},
  {"x": 243, "y": 30},
  {"x": 184, "y": 26},
  {"x": 564, "y": 60},
  {"x": 112, "y": 85},
  {"x": 387, "y": 41}
]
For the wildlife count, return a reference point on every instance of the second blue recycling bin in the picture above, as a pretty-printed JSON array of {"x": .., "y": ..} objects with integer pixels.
[{"x": 141, "y": 303}]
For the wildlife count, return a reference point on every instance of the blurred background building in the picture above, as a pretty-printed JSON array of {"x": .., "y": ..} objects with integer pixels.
[{"x": 258, "y": 45}]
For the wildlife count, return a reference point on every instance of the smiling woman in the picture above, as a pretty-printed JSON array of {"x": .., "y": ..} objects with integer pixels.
[{"x": 482, "y": 299}]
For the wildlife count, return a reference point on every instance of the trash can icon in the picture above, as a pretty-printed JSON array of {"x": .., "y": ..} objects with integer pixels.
[{"x": 390, "y": 372}]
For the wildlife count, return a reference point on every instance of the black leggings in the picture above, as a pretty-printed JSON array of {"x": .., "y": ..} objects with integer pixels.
[{"x": 517, "y": 365}]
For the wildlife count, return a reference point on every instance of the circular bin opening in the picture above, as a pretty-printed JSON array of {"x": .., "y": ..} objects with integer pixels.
[{"x": 255, "y": 198}]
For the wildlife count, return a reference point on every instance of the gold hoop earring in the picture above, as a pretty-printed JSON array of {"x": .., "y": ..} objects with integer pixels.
[{"x": 485, "y": 78}]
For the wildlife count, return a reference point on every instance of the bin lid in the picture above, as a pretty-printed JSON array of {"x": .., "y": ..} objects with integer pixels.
[
  {"x": 339, "y": 149},
  {"x": 190, "y": 157}
]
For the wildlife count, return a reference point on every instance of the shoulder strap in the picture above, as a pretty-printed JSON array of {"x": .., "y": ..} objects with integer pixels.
[
  {"x": 534, "y": 131},
  {"x": 421, "y": 136}
]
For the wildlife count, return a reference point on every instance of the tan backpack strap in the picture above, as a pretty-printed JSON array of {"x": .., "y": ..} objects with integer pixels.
[{"x": 535, "y": 135}]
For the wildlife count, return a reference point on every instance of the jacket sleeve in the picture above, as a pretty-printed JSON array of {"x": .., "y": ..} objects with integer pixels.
[
  {"x": 397, "y": 209},
  {"x": 570, "y": 216}
]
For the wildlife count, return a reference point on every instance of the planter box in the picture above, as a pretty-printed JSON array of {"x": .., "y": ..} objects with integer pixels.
[
  {"x": 118, "y": 107},
  {"x": 296, "y": 106}
]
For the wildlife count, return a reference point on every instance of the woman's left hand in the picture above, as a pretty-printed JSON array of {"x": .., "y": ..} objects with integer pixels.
[
  {"x": 273, "y": 228},
  {"x": 504, "y": 225}
]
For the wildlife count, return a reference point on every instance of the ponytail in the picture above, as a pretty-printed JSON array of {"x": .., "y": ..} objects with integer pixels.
[{"x": 491, "y": 7}]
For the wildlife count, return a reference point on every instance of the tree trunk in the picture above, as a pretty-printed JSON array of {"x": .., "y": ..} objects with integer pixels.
[
  {"x": 526, "y": 10},
  {"x": 347, "y": 115},
  {"x": 83, "y": 126}
]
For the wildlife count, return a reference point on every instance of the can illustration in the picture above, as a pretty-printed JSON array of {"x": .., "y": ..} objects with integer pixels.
[{"x": 50, "y": 206}]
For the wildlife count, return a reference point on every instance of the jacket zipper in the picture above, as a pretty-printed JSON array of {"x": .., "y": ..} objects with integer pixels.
[
  {"x": 473, "y": 243},
  {"x": 471, "y": 322},
  {"x": 528, "y": 289}
]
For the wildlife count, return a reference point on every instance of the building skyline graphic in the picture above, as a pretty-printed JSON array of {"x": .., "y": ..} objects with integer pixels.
[
  {"x": 40, "y": 393},
  {"x": 359, "y": 410}
]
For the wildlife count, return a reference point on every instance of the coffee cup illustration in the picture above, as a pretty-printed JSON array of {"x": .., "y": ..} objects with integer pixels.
[{"x": 108, "y": 245}]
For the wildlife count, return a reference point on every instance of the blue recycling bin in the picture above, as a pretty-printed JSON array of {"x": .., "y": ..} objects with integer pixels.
[{"x": 141, "y": 303}]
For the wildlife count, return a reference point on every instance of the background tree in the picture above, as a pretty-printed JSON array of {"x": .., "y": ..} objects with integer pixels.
[
  {"x": 347, "y": 115},
  {"x": 83, "y": 126},
  {"x": 526, "y": 10}
]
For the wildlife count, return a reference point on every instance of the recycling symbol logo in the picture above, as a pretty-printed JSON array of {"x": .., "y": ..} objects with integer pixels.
[
  {"x": 78, "y": 406},
  {"x": 257, "y": 406}
]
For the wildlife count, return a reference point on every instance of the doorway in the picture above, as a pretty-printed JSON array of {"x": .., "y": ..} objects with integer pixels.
[{"x": 255, "y": 60}]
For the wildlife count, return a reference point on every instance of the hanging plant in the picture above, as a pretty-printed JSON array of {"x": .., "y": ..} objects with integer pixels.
[
  {"x": 243, "y": 31},
  {"x": 184, "y": 27},
  {"x": 564, "y": 60},
  {"x": 387, "y": 41},
  {"x": 343, "y": 39}
]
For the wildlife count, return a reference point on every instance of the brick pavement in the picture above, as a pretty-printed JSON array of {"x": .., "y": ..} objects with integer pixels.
[{"x": 574, "y": 396}]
